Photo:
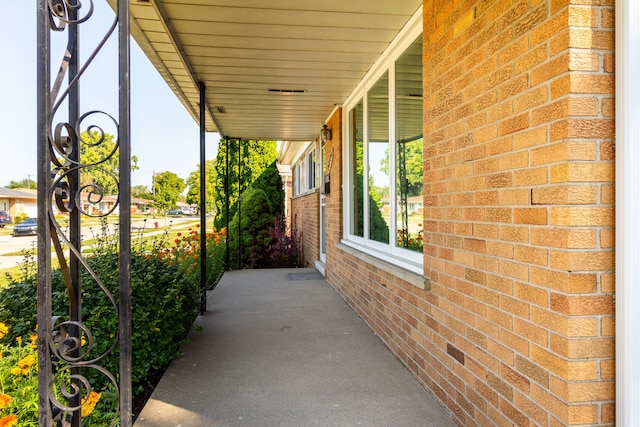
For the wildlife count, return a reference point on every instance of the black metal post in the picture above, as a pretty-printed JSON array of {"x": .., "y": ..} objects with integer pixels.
[
  {"x": 125, "y": 326},
  {"x": 226, "y": 195},
  {"x": 75, "y": 310},
  {"x": 44, "y": 234},
  {"x": 239, "y": 202},
  {"x": 203, "y": 205}
]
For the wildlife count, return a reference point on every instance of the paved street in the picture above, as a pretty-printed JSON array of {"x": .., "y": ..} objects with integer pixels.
[{"x": 12, "y": 245}]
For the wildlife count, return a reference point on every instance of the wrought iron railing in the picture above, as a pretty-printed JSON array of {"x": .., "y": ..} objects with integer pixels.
[{"x": 66, "y": 347}]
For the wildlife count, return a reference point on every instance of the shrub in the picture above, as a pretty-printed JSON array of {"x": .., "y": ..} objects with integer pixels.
[
  {"x": 187, "y": 254},
  {"x": 285, "y": 249},
  {"x": 19, "y": 218},
  {"x": 164, "y": 305},
  {"x": 165, "y": 287},
  {"x": 270, "y": 182},
  {"x": 256, "y": 221}
]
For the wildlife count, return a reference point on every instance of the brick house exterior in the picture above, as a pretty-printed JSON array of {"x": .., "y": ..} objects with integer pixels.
[
  {"x": 512, "y": 320},
  {"x": 305, "y": 212},
  {"x": 518, "y": 305}
]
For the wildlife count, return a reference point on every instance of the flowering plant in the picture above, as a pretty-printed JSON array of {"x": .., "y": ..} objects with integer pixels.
[
  {"x": 185, "y": 253},
  {"x": 165, "y": 284},
  {"x": 19, "y": 387},
  {"x": 18, "y": 382}
]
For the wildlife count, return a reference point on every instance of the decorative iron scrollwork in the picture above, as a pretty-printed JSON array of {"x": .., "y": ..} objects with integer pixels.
[{"x": 70, "y": 342}]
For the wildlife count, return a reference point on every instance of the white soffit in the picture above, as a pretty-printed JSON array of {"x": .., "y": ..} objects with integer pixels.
[{"x": 272, "y": 69}]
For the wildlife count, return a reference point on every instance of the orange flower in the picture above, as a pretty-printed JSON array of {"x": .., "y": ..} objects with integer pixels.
[
  {"x": 9, "y": 421},
  {"x": 25, "y": 364},
  {"x": 5, "y": 399},
  {"x": 3, "y": 329},
  {"x": 89, "y": 403}
]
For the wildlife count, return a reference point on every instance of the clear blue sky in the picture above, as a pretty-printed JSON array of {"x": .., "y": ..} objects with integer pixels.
[{"x": 163, "y": 135}]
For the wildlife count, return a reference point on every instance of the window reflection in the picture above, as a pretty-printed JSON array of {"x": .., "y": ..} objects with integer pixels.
[
  {"x": 409, "y": 166},
  {"x": 378, "y": 159},
  {"x": 357, "y": 159}
]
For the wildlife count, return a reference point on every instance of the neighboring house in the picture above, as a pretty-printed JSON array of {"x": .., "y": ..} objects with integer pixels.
[
  {"x": 23, "y": 201},
  {"x": 505, "y": 311},
  {"x": 108, "y": 204},
  {"x": 17, "y": 202}
]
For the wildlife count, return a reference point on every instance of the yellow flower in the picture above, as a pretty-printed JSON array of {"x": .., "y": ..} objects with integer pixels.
[
  {"x": 3, "y": 330},
  {"x": 5, "y": 400},
  {"x": 89, "y": 403},
  {"x": 25, "y": 364},
  {"x": 16, "y": 371},
  {"x": 9, "y": 421},
  {"x": 33, "y": 337}
]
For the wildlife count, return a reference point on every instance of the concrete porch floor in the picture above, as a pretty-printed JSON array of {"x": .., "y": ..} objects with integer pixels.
[{"x": 282, "y": 348}]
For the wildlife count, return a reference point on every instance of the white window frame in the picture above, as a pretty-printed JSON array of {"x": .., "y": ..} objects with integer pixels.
[
  {"x": 404, "y": 258},
  {"x": 305, "y": 173}
]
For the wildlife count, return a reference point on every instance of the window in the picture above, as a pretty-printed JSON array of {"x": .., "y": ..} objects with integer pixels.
[
  {"x": 384, "y": 150},
  {"x": 304, "y": 173},
  {"x": 311, "y": 170}
]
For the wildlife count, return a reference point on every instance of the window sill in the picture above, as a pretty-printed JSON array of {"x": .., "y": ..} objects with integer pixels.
[
  {"x": 306, "y": 193},
  {"x": 396, "y": 267}
]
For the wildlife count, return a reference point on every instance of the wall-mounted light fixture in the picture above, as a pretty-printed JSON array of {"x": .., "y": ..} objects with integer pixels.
[{"x": 325, "y": 133}]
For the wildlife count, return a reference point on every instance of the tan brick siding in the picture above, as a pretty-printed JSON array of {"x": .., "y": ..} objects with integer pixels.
[
  {"x": 518, "y": 327},
  {"x": 305, "y": 211}
]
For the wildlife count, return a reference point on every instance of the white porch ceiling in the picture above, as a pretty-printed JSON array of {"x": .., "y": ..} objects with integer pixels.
[{"x": 273, "y": 69}]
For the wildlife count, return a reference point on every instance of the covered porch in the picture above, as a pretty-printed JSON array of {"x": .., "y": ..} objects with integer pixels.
[
  {"x": 281, "y": 348},
  {"x": 516, "y": 304}
]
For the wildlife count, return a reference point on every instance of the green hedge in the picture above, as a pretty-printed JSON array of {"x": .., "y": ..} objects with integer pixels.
[{"x": 165, "y": 291}]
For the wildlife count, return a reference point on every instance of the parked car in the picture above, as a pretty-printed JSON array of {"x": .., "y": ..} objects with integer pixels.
[
  {"x": 28, "y": 227},
  {"x": 5, "y": 218},
  {"x": 174, "y": 212}
]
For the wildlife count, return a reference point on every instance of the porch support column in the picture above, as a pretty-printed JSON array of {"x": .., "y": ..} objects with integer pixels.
[
  {"x": 239, "y": 202},
  {"x": 226, "y": 203},
  {"x": 75, "y": 234},
  {"x": 124, "y": 135},
  {"x": 203, "y": 205},
  {"x": 44, "y": 233},
  {"x": 627, "y": 213}
]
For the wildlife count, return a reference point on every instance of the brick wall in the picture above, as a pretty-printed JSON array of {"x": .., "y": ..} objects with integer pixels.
[
  {"x": 517, "y": 328},
  {"x": 333, "y": 201},
  {"x": 305, "y": 211}
]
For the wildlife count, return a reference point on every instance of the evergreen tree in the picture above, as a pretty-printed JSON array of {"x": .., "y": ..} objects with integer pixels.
[
  {"x": 250, "y": 230},
  {"x": 255, "y": 158}
]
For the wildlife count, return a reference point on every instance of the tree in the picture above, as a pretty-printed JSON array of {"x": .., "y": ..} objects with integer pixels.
[
  {"x": 25, "y": 183},
  {"x": 254, "y": 237},
  {"x": 141, "y": 192},
  {"x": 167, "y": 189},
  {"x": 378, "y": 226},
  {"x": 256, "y": 156},
  {"x": 193, "y": 186},
  {"x": 103, "y": 155},
  {"x": 271, "y": 182},
  {"x": 412, "y": 158}
]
